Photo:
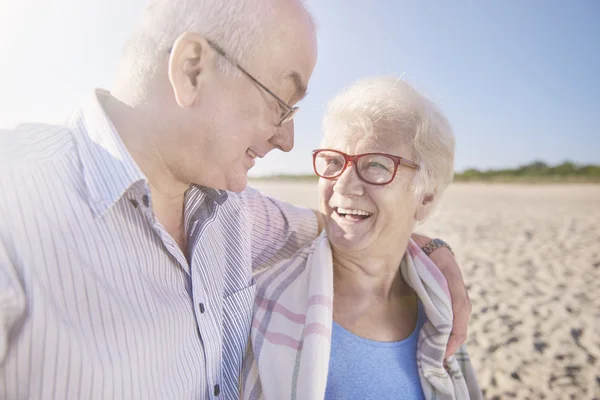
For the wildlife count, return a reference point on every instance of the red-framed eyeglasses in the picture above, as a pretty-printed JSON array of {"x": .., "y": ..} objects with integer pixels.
[{"x": 373, "y": 168}]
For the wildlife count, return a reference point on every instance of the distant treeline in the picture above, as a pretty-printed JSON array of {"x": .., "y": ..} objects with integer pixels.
[{"x": 536, "y": 172}]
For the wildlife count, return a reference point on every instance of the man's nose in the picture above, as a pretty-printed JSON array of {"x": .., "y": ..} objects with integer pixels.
[{"x": 283, "y": 138}]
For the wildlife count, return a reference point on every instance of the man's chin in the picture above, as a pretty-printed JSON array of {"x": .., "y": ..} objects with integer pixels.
[
  {"x": 231, "y": 182},
  {"x": 237, "y": 183}
]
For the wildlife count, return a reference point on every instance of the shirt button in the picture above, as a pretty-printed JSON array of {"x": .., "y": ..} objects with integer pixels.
[
  {"x": 217, "y": 390},
  {"x": 146, "y": 200},
  {"x": 201, "y": 305},
  {"x": 135, "y": 203}
]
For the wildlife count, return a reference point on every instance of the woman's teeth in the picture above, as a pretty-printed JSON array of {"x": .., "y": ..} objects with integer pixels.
[{"x": 352, "y": 213}]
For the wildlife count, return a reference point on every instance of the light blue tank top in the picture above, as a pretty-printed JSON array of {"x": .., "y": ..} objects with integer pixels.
[{"x": 365, "y": 369}]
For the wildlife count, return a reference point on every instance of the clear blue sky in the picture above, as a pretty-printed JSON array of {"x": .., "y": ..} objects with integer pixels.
[{"x": 519, "y": 80}]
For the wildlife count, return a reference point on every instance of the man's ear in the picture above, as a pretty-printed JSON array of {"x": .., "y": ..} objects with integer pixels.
[
  {"x": 191, "y": 55},
  {"x": 425, "y": 207}
]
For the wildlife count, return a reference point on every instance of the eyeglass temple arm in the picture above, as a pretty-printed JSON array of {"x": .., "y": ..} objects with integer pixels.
[{"x": 408, "y": 163}]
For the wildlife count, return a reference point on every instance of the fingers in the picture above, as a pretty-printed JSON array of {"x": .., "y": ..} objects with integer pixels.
[
  {"x": 456, "y": 340},
  {"x": 461, "y": 308},
  {"x": 461, "y": 304}
]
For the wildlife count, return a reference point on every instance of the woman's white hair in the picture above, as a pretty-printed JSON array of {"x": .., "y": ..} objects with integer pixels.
[
  {"x": 390, "y": 104},
  {"x": 237, "y": 26}
]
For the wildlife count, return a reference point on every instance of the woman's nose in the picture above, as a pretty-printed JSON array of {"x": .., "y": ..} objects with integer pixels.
[{"x": 348, "y": 183}]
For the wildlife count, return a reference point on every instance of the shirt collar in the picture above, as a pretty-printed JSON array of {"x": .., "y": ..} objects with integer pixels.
[
  {"x": 108, "y": 168},
  {"x": 217, "y": 195}
]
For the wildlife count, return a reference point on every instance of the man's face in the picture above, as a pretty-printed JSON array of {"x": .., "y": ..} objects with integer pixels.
[{"x": 229, "y": 122}]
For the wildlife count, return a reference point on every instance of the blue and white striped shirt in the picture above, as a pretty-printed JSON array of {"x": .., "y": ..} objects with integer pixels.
[{"x": 97, "y": 301}]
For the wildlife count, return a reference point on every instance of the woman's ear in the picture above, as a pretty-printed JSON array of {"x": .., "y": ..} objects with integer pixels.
[{"x": 425, "y": 207}]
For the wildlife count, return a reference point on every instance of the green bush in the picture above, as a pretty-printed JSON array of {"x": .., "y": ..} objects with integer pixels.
[{"x": 537, "y": 171}]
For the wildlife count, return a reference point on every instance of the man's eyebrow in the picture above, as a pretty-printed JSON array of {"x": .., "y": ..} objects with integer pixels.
[{"x": 299, "y": 84}]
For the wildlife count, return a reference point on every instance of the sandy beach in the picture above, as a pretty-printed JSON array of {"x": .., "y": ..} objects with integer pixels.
[{"x": 530, "y": 255}]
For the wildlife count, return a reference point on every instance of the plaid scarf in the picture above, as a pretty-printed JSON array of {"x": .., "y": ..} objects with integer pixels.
[{"x": 288, "y": 353}]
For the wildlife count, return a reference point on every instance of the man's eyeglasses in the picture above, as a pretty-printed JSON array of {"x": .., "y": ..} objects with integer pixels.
[
  {"x": 287, "y": 112},
  {"x": 373, "y": 168}
]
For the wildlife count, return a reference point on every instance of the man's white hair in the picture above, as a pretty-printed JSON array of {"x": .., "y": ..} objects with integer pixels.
[
  {"x": 239, "y": 27},
  {"x": 390, "y": 104}
]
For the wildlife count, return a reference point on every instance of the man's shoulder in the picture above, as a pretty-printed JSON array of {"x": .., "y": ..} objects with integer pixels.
[
  {"x": 27, "y": 143},
  {"x": 248, "y": 200},
  {"x": 35, "y": 159}
]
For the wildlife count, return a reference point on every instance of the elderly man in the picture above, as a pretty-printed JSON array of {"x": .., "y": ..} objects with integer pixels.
[{"x": 126, "y": 247}]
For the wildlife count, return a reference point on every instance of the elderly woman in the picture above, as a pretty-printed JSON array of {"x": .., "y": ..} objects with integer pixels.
[{"x": 363, "y": 313}]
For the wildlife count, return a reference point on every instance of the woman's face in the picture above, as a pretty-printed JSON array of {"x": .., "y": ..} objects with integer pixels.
[{"x": 386, "y": 213}]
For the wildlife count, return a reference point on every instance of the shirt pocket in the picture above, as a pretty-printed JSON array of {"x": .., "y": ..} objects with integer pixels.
[{"x": 237, "y": 317}]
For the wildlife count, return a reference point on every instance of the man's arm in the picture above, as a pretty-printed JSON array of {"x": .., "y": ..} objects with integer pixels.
[
  {"x": 461, "y": 304},
  {"x": 278, "y": 229},
  {"x": 12, "y": 301}
]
